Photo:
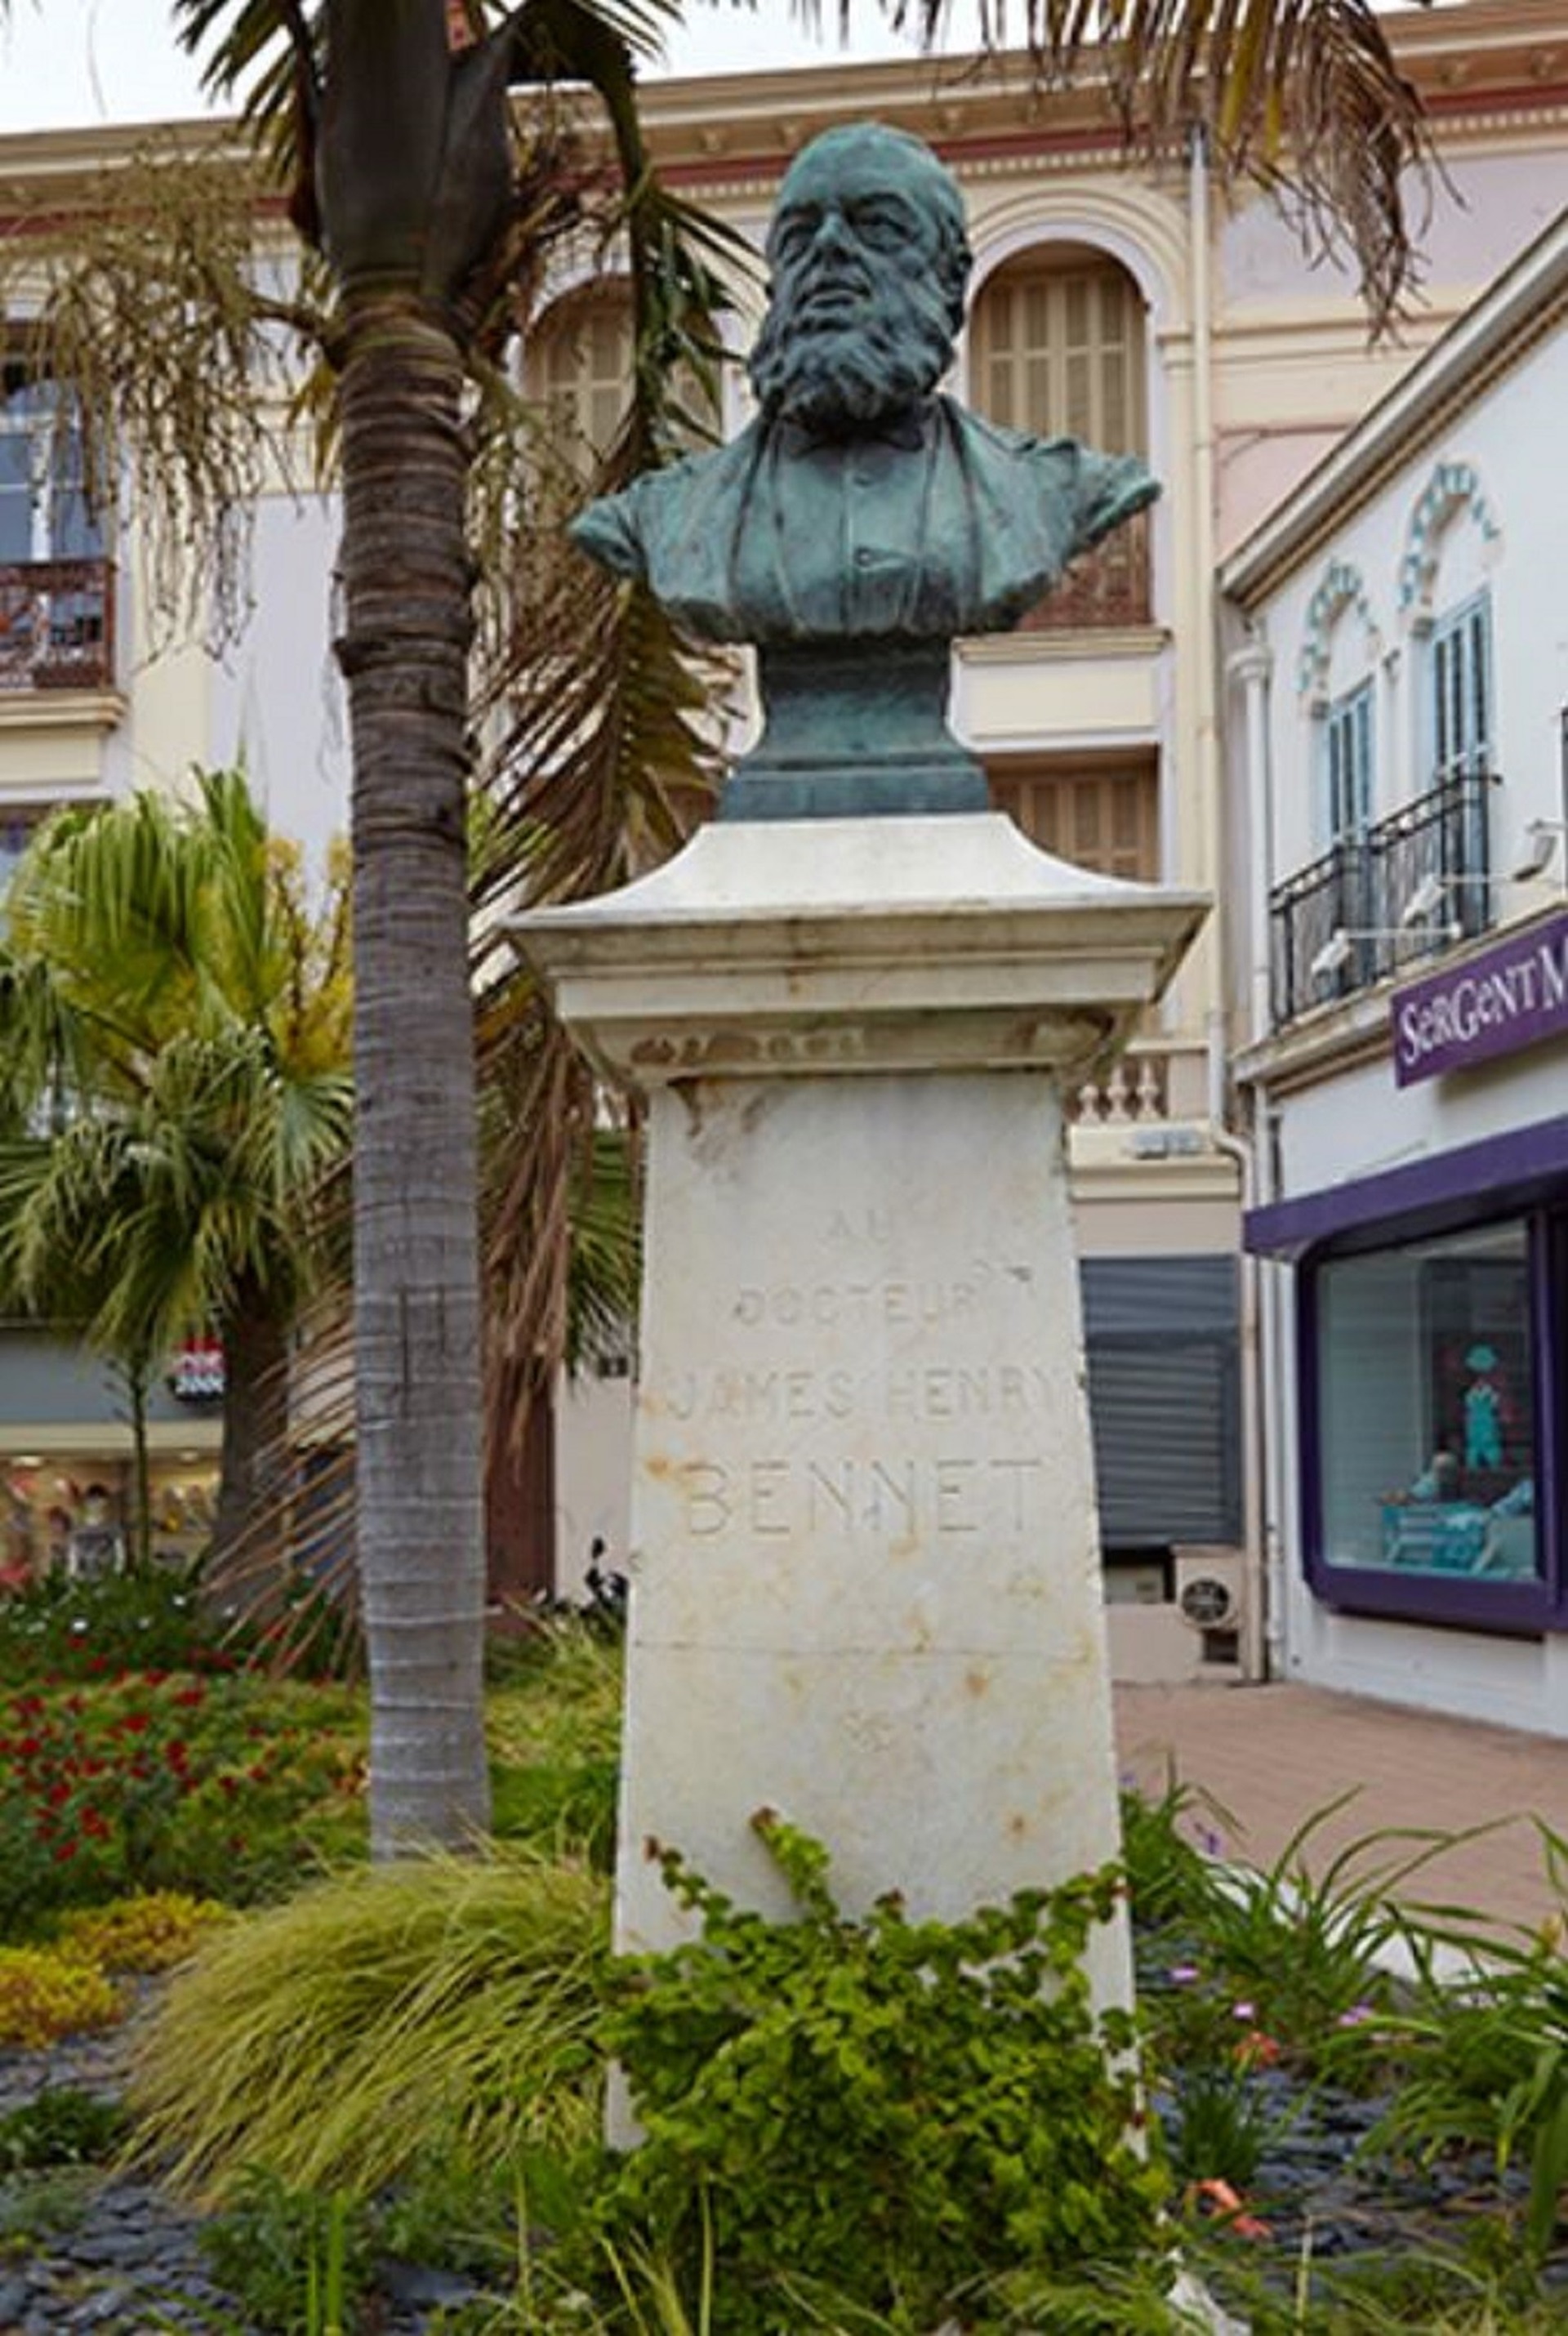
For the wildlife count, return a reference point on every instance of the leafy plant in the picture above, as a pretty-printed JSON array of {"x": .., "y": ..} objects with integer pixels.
[
  {"x": 1169, "y": 1845},
  {"x": 297, "y": 2258},
  {"x": 897, "y": 2110},
  {"x": 63, "y": 2126},
  {"x": 154, "y": 1780},
  {"x": 43, "y": 1997},
  {"x": 1305, "y": 1942},
  {"x": 449, "y": 2003},
  {"x": 1484, "y": 2066},
  {"x": 151, "y": 1933},
  {"x": 1220, "y": 2125},
  {"x": 149, "y": 1618}
]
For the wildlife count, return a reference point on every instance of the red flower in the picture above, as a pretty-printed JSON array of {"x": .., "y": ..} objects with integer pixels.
[
  {"x": 67, "y": 1849},
  {"x": 175, "y": 1752},
  {"x": 153, "y": 1679},
  {"x": 136, "y": 1723},
  {"x": 189, "y": 1697},
  {"x": 28, "y": 1747},
  {"x": 58, "y": 1793},
  {"x": 95, "y": 1824},
  {"x": 259, "y": 1775}
]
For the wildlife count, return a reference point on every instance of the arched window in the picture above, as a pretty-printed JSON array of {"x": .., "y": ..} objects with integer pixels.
[
  {"x": 1056, "y": 348},
  {"x": 580, "y": 361}
]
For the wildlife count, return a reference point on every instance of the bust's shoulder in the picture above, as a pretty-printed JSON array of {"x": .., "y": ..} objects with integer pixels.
[{"x": 700, "y": 472}]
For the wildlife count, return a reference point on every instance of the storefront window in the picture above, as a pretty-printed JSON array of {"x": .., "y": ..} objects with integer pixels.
[
  {"x": 1425, "y": 1380},
  {"x": 73, "y": 1512}
]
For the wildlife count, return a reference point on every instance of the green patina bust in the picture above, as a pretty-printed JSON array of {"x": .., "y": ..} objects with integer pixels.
[{"x": 861, "y": 521}]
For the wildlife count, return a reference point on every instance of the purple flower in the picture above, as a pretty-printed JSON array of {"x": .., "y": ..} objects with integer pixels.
[
  {"x": 1243, "y": 2011},
  {"x": 1182, "y": 1974},
  {"x": 1357, "y": 2016}
]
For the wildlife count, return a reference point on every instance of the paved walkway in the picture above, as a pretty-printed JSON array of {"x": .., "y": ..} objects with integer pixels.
[{"x": 1271, "y": 1755}]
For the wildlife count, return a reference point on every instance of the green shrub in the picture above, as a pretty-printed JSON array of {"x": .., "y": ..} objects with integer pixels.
[
  {"x": 215, "y": 1786},
  {"x": 898, "y": 2111},
  {"x": 63, "y": 2126},
  {"x": 147, "y": 1934},
  {"x": 447, "y": 2002},
  {"x": 298, "y": 2261},
  {"x": 151, "y": 1618}
]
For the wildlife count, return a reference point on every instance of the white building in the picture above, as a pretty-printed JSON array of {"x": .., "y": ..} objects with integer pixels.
[{"x": 1400, "y": 767}]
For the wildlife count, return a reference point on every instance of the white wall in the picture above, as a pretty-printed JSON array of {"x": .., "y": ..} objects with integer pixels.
[{"x": 275, "y": 698}]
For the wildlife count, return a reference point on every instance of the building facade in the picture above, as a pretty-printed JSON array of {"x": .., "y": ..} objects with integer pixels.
[
  {"x": 1402, "y": 751},
  {"x": 1128, "y": 303},
  {"x": 1133, "y": 305}
]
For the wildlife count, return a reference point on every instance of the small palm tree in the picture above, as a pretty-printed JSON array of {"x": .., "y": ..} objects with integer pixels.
[{"x": 174, "y": 1030}]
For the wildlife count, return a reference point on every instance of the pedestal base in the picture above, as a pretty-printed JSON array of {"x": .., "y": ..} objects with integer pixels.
[{"x": 865, "y": 1578}]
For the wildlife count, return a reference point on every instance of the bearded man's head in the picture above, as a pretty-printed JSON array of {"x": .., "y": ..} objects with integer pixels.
[{"x": 869, "y": 263}]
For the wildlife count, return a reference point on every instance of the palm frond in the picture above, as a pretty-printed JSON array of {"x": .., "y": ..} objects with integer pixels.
[{"x": 1303, "y": 97}]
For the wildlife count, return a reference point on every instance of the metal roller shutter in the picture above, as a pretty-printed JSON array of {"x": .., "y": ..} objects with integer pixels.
[{"x": 1162, "y": 1349}]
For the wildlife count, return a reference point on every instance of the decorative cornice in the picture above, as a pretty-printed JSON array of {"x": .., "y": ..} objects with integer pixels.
[
  {"x": 1078, "y": 645},
  {"x": 61, "y": 709}
]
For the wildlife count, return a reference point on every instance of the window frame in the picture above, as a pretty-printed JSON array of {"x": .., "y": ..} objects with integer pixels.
[
  {"x": 1350, "y": 750},
  {"x": 1469, "y": 621},
  {"x": 1493, "y": 1604},
  {"x": 61, "y": 525}
]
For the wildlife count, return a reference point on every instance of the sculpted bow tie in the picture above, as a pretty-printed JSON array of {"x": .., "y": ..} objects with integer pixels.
[{"x": 906, "y": 430}]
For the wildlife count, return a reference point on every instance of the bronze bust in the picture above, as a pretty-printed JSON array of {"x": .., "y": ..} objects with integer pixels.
[{"x": 861, "y": 520}]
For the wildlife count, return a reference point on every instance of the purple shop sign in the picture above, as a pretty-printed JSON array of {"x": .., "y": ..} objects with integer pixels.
[{"x": 1511, "y": 995}]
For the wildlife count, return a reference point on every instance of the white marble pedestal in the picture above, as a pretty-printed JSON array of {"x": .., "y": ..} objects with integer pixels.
[{"x": 865, "y": 1562}]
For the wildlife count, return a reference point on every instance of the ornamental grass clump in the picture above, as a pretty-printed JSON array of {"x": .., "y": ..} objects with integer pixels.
[{"x": 330, "y": 2039}]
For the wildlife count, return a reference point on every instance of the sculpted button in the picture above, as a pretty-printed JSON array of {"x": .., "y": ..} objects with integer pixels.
[{"x": 863, "y": 557}]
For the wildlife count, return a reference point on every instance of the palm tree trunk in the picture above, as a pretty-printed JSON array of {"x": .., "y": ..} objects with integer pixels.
[
  {"x": 247, "y": 1530},
  {"x": 406, "y": 577},
  {"x": 137, "y": 1375}
]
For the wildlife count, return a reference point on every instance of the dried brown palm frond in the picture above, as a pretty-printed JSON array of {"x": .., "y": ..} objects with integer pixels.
[
  {"x": 153, "y": 316},
  {"x": 1303, "y": 97},
  {"x": 606, "y": 747}
]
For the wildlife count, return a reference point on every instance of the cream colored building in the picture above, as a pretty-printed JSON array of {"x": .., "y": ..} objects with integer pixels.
[{"x": 1127, "y": 303}]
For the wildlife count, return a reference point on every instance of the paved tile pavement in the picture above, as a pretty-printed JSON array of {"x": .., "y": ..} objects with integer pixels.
[{"x": 1271, "y": 1755}]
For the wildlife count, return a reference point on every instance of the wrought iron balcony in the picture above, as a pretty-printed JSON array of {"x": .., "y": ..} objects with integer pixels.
[
  {"x": 57, "y": 625},
  {"x": 1363, "y": 886}
]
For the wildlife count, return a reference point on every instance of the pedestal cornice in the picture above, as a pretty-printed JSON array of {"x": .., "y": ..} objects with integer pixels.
[{"x": 814, "y": 946}]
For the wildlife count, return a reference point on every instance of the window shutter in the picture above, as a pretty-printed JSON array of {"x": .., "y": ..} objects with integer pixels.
[
  {"x": 1058, "y": 349},
  {"x": 1106, "y": 820}
]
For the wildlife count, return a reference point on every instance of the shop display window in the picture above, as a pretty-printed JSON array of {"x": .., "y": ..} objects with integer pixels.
[
  {"x": 1426, "y": 1385},
  {"x": 73, "y": 1513}
]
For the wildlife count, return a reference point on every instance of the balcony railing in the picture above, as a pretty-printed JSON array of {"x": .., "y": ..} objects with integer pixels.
[
  {"x": 1363, "y": 885},
  {"x": 1106, "y": 588},
  {"x": 57, "y": 625}
]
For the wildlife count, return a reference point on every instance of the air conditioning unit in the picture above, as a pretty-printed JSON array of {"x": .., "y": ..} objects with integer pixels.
[{"x": 1210, "y": 1588}]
